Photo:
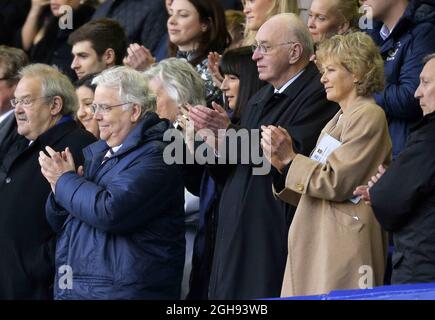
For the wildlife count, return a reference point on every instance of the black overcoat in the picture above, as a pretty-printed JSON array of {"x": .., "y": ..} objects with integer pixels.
[
  {"x": 26, "y": 239},
  {"x": 251, "y": 241},
  {"x": 404, "y": 203}
]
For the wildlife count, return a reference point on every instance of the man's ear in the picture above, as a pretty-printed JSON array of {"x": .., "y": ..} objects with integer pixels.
[
  {"x": 56, "y": 106},
  {"x": 137, "y": 112},
  {"x": 295, "y": 53},
  {"x": 109, "y": 57}
]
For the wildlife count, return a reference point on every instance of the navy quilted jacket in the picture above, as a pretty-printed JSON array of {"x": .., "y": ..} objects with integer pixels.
[
  {"x": 121, "y": 226},
  {"x": 403, "y": 52}
]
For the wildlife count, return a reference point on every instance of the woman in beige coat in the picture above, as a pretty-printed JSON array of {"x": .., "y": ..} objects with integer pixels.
[{"x": 334, "y": 241}]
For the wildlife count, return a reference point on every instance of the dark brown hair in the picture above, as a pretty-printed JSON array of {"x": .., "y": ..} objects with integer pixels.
[
  {"x": 216, "y": 38},
  {"x": 102, "y": 34}
]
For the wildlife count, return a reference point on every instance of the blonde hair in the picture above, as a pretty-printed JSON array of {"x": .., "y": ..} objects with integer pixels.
[
  {"x": 235, "y": 24},
  {"x": 279, "y": 6},
  {"x": 360, "y": 56},
  {"x": 348, "y": 11},
  {"x": 180, "y": 80}
]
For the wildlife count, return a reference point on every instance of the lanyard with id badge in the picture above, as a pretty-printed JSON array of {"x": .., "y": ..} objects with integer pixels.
[{"x": 322, "y": 151}]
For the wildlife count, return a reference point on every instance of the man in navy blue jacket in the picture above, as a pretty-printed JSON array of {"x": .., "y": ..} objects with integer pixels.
[
  {"x": 120, "y": 222},
  {"x": 405, "y": 32}
]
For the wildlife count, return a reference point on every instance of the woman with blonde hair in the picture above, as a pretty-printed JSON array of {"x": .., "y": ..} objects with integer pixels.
[
  {"x": 258, "y": 11},
  {"x": 335, "y": 241},
  {"x": 327, "y": 18}
]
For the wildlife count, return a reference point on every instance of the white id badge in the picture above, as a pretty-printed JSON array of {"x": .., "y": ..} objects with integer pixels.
[{"x": 325, "y": 147}]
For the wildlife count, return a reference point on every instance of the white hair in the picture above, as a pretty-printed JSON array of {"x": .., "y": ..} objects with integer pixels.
[
  {"x": 133, "y": 88},
  {"x": 179, "y": 79}
]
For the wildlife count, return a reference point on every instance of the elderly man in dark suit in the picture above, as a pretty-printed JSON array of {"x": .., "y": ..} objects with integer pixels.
[
  {"x": 44, "y": 103},
  {"x": 251, "y": 250},
  {"x": 11, "y": 61}
]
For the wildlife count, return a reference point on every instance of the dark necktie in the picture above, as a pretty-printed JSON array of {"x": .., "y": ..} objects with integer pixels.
[{"x": 108, "y": 156}]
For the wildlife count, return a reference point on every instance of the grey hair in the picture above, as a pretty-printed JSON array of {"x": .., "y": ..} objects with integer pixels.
[
  {"x": 53, "y": 83},
  {"x": 133, "y": 88},
  {"x": 428, "y": 58},
  {"x": 179, "y": 79},
  {"x": 299, "y": 30}
]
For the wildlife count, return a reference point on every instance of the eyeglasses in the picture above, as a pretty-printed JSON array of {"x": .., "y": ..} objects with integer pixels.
[
  {"x": 104, "y": 108},
  {"x": 25, "y": 102},
  {"x": 264, "y": 49}
]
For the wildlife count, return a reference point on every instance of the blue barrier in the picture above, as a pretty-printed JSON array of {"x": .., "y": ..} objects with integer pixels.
[{"x": 423, "y": 291}]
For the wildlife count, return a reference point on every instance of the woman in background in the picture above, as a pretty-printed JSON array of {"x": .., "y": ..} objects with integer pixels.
[
  {"x": 42, "y": 36},
  {"x": 85, "y": 93},
  {"x": 195, "y": 28},
  {"x": 258, "y": 11},
  {"x": 327, "y": 18}
]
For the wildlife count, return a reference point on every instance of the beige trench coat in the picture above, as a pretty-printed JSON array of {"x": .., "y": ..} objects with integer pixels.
[{"x": 333, "y": 243}]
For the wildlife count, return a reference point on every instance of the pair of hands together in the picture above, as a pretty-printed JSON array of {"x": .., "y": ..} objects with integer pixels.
[
  {"x": 364, "y": 190},
  {"x": 275, "y": 141},
  {"x": 56, "y": 164},
  {"x": 139, "y": 57}
]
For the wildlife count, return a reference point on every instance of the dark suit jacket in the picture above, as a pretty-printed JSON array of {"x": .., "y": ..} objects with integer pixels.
[
  {"x": 8, "y": 135},
  {"x": 403, "y": 201},
  {"x": 251, "y": 241},
  {"x": 26, "y": 239}
]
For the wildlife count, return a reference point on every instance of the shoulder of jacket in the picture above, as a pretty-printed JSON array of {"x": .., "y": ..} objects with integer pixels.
[{"x": 368, "y": 115}]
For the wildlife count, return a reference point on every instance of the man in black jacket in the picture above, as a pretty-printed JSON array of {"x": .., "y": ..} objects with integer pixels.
[
  {"x": 251, "y": 240},
  {"x": 403, "y": 198},
  {"x": 11, "y": 61},
  {"x": 44, "y": 104}
]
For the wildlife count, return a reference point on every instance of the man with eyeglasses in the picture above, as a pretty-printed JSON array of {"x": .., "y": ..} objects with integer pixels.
[
  {"x": 120, "y": 221},
  {"x": 251, "y": 241},
  {"x": 44, "y": 105},
  {"x": 11, "y": 61}
]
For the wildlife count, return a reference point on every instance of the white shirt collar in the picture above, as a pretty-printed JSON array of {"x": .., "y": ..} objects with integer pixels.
[
  {"x": 385, "y": 32},
  {"x": 114, "y": 150},
  {"x": 5, "y": 115},
  {"x": 285, "y": 86}
]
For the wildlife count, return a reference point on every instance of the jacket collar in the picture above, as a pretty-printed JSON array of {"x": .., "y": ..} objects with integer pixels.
[
  {"x": 418, "y": 11},
  {"x": 426, "y": 124},
  {"x": 56, "y": 133},
  {"x": 299, "y": 84},
  {"x": 151, "y": 127}
]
